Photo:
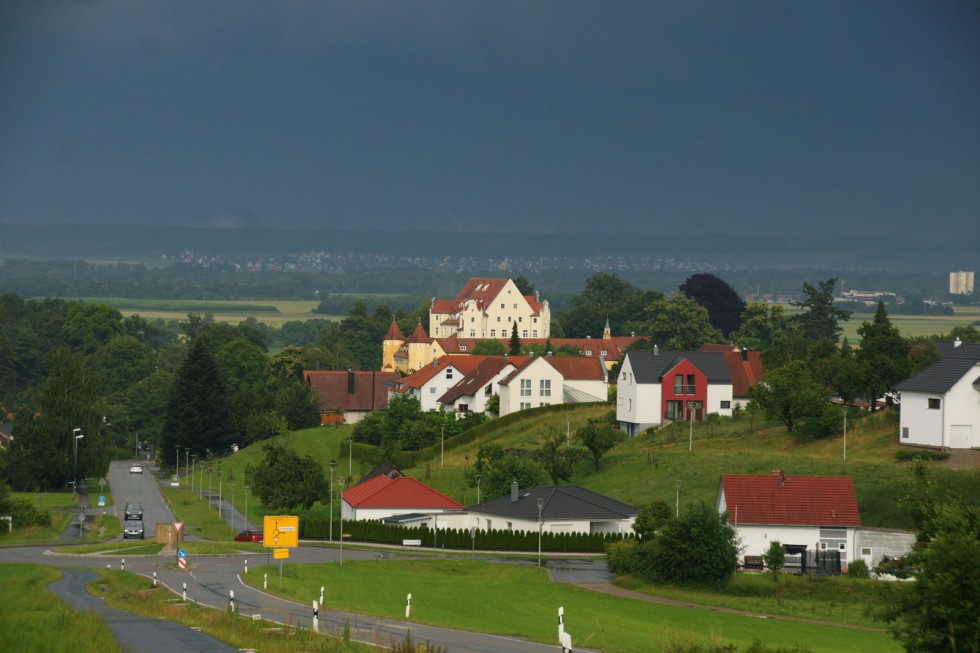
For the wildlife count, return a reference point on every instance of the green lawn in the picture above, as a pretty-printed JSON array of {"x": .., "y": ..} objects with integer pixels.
[
  {"x": 521, "y": 601},
  {"x": 34, "y": 619},
  {"x": 198, "y": 516}
]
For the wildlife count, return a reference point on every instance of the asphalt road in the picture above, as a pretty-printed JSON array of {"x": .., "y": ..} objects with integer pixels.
[{"x": 210, "y": 579}]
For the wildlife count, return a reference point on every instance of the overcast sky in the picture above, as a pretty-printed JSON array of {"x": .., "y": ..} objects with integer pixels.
[{"x": 852, "y": 116}]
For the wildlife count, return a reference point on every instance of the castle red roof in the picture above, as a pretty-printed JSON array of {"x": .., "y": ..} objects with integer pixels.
[
  {"x": 401, "y": 492},
  {"x": 784, "y": 500},
  {"x": 394, "y": 333}
]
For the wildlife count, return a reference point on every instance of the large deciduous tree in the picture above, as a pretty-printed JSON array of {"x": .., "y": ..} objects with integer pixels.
[
  {"x": 598, "y": 437},
  {"x": 938, "y": 613},
  {"x": 723, "y": 303},
  {"x": 760, "y": 326},
  {"x": 883, "y": 358},
  {"x": 605, "y": 297},
  {"x": 699, "y": 546},
  {"x": 679, "y": 322},
  {"x": 789, "y": 394},
  {"x": 820, "y": 319},
  {"x": 199, "y": 411},
  {"x": 285, "y": 481}
]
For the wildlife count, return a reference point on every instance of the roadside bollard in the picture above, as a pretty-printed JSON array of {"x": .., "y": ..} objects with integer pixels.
[
  {"x": 154, "y": 579},
  {"x": 321, "y": 594},
  {"x": 316, "y": 617},
  {"x": 408, "y": 606},
  {"x": 246, "y": 567},
  {"x": 123, "y": 564},
  {"x": 185, "y": 591},
  {"x": 231, "y": 605},
  {"x": 265, "y": 581},
  {"x": 108, "y": 566}
]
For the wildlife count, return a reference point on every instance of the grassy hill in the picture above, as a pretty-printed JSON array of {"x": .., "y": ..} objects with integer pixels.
[{"x": 645, "y": 468}]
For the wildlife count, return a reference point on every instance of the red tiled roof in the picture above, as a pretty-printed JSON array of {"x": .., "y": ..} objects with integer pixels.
[
  {"x": 394, "y": 333},
  {"x": 401, "y": 492},
  {"x": 332, "y": 389},
  {"x": 476, "y": 379},
  {"x": 481, "y": 289},
  {"x": 745, "y": 371},
  {"x": 444, "y": 306},
  {"x": 419, "y": 335},
  {"x": 578, "y": 367},
  {"x": 779, "y": 499}
]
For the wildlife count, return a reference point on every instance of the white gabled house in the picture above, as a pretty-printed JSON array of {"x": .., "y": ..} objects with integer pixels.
[
  {"x": 563, "y": 509},
  {"x": 547, "y": 380},
  {"x": 940, "y": 406},
  {"x": 656, "y": 386},
  {"x": 472, "y": 393},
  {"x": 803, "y": 513}
]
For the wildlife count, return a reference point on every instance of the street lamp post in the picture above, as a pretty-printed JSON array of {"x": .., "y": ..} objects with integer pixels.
[
  {"x": 350, "y": 456},
  {"x": 442, "y": 445},
  {"x": 677, "y": 509},
  {"x": 690, "y": 438},
  {"x": 234, "y": 488},
  {"x": 187, "y": 451},
  {"x": 193, "y": 470},
  {"x": 540, "y": 526},
  {"x": 177, "y": 473},
  {"x": 78, "y": 436},
  {"x": 246, "y": 506},
  {"x": 220, "y": 479},
  {"x": 845, "y": 433},
  {"x": 333, "y": 463},
  {"x": 209, "y": 485},
  {"x": 341, "y": 523},
  {"x": 478, "y": 477}
]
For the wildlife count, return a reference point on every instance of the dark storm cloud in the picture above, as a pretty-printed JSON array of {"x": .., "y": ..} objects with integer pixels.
[{"x": 647, "y": 116}]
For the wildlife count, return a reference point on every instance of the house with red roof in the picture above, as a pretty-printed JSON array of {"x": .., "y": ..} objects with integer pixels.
[
  {"x": 472, "y": 393},
  {"x": 384, "y": 496},
  {"x": 348, "y": 393},
  {"x": 745, "y": 368},
  {"x": 547, "y": 380},
  {"x": 431, "y": 382},
  {"x": 804, "y": 513}
]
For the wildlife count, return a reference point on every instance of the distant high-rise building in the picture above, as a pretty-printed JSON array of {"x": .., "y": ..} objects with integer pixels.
[{"x": 961, "y": 283}]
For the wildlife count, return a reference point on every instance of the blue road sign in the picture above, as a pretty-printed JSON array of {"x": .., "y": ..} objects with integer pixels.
[
  {"x": 181, "y": 553},
  {"x": 101, "y": 498}
]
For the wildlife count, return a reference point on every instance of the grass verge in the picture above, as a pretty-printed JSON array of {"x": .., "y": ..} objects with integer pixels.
[
  {"x": 34, "y": 619},
  {"x": 136, "y": 594},
  {"x": 521, "y": 601}
]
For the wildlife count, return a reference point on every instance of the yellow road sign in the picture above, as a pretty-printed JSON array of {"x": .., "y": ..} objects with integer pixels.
[
  {"x": 280, "y": 554},
  {"x": 280, "y": 531}
]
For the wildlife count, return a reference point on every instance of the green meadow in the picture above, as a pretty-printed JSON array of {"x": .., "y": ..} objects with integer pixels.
[{"x": 521, "y": 601}]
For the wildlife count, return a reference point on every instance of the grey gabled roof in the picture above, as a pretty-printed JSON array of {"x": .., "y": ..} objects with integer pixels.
[
  {"x": 938, "y": 377},
  {"x": 962, "y": 350},
  {"x": 650, "y": 367},
  {"x": 560, "y": 502}
]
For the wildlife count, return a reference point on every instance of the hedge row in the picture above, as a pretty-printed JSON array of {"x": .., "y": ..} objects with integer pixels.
[{"x": 454, "y": 538}]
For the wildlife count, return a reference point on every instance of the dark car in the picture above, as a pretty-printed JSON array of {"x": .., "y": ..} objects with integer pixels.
[
  {"x": 133, "y": 529},
  {"x": 134, "y": 511},
  {"x": 249, "y": 536}
]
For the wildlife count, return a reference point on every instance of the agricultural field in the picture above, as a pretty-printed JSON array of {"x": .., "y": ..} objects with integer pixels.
[{"x": 271, "y": 312}]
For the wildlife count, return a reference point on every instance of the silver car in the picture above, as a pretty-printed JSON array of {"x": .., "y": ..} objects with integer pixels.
[{"x": 133, "y": 529}]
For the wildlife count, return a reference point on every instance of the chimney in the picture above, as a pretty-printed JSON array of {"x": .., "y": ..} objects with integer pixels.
[
  {"x": 513, "y": 491},
  {"x": 350, "y": 381},
  {"x": 745, "y": 354},
  {"x": 656, "y": 350}
]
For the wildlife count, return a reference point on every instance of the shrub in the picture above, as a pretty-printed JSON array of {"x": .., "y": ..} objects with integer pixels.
[
  {"x": 857, "y": 569},
  {"x": 924, "y": 455}
]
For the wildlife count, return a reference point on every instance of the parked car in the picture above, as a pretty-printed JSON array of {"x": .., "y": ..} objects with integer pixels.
[
  {"x": 136, "y": 468},
  {"x": 249, "y": 536},
  {"x": 133, "y": 511},
  {"x": 133, "y": 529}
]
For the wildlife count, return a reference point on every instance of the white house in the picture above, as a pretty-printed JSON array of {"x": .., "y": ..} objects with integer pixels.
[
  {"x": 814, "y": 513},
  {"x": 382, "y": 496},
  {"x": 542, "y": 381},
  {"x": 655, "y": 386},
  {"x": 432, "y": 381},
  {"x": 472, "y": 393},
  {"x": 563, "y": 509},
  {"x": 941, "y": 404}
]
